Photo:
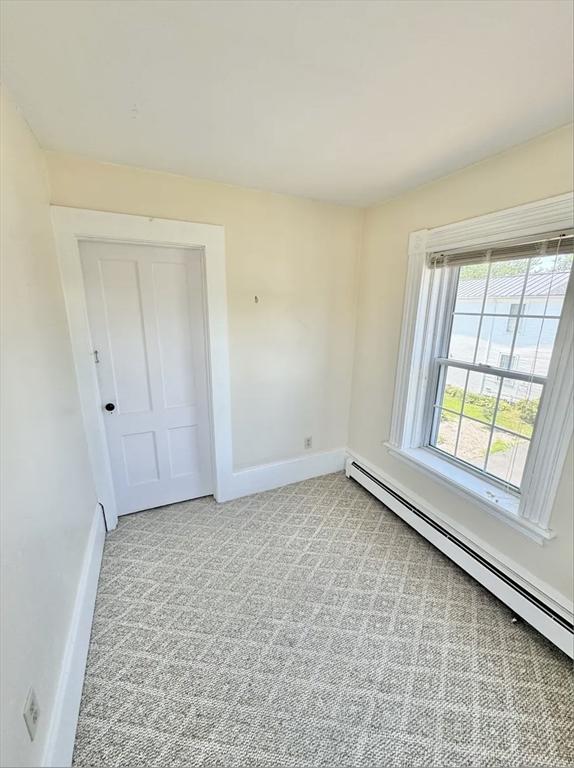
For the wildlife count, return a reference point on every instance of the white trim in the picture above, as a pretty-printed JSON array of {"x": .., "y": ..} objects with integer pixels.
[
  {"x": 488, "y": 497},
  {"x": 536, "y": 218},
  {"x": 412, "y": 335},
  {"x": 72, "y": 225},
  {"x": 264, "y": 477},
  {"x": 424, "y": 292},
  {"x": 62, "y": 730},
  {"x": 554, "y": 425},
  {"x": 549, "y": 596}
]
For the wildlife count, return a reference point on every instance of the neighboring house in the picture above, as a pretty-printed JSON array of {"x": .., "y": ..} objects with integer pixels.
[{"x": 537, "y": 327}]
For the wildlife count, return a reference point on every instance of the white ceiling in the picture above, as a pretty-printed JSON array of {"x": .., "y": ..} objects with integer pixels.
[{"x": 351, "y": 102}]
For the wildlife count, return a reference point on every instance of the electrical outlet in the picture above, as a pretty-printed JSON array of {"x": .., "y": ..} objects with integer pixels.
[
  {"x": 31, "y": 713},
  {"x": 308, "y": 443}
]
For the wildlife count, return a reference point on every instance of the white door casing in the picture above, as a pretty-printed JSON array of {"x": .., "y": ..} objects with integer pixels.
[
  {"x": 73, "y": 226},
  {"x": 146, "y": 314}
]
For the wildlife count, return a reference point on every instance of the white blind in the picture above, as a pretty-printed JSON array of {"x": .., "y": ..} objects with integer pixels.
[{"x": 555, "y": 243}]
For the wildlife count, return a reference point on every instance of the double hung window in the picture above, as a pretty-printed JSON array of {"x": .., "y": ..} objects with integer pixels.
[
  {"x": 485, "y": 380},
  {"x": 498, "y": 331}
]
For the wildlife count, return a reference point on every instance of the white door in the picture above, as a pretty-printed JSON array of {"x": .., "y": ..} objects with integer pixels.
[{"x": 147, "y": 322}]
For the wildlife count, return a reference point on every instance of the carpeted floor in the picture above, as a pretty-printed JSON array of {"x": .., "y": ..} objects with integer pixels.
[{"x": 308, "y": 626}]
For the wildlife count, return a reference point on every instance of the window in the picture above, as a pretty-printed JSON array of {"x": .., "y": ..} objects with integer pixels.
[
  {"x": 507, "y": 362},
  {"x": 485, "y": 379},
  {"x": 511, "y": 322},
  {"x": 485, "y": 408}
]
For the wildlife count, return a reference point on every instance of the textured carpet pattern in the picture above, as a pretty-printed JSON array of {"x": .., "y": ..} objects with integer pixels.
[{"x": 308, "y": 626}]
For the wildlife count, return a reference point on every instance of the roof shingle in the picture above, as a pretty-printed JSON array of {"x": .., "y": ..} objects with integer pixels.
[{"x": 539, "y": 284}]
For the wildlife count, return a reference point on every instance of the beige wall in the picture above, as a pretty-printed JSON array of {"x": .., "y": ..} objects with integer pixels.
[
  {"x": 291, "y": 353},
  {"x": 533, "y": 171},
  {"x": 48, "y": 499},
  {"x": 291, "y": 362}
]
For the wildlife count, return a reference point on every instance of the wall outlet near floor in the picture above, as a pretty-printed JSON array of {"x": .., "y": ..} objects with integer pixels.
[
  {"x": 308, "y": 443},
  {"x": 31, "y": 713}
]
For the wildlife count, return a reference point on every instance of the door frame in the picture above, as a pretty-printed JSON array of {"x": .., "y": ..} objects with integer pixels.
[{"x": 72, "y": 225}]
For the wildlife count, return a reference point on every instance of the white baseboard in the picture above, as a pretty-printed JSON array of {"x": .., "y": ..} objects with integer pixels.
[
  {"x": 521, "y": 592},
  {"x": 268, "y": 476},
  {"x": 60, "y": 742}
]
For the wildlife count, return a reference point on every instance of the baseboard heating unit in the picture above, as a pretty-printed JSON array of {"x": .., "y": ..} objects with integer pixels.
[{"x": 547, "y": 619}]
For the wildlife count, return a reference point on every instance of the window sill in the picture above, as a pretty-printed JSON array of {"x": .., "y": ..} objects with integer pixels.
[{"x": 488, "y": 496}]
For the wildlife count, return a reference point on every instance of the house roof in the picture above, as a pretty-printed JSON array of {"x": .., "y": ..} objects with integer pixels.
[{"x": 539, "y": 284}]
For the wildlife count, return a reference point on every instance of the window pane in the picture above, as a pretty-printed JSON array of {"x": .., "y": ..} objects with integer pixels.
[
  {"x": 507, "y": 457},
  {"x": 534, "y": 345},
  {"x": 518, "y": 406},
  {"x": 481, "y": 394},
  {"x": 473, "y": 443},
  {"x": 471, "y": 287},
  {"x": 547, "y": 283},
  {"x": 508, "y": 362},
  {"x": 495, "y": 340},
  {"x": 463, "y": 338},
  {"x": 454, "y": 384},
  {"x": 514, "y": 309},
  {"x": 447, "y": 431},
  {"x": 545, "y": 347},
  {"x": 505, "y": 285}
]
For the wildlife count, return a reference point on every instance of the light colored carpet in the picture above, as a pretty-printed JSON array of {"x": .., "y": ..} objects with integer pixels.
[{"x": 308, "y": 626}]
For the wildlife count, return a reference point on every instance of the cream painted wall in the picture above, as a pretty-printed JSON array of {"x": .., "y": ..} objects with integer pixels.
[
  {"x": 532, "y": 171},
  {"x": 48, "y": 500},
  {"x": 291, "y": 353},
  {"x": 291, "y": 362}
]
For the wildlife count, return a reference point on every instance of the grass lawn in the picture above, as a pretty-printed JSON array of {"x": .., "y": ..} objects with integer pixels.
[{"x": 510, "y": 415}]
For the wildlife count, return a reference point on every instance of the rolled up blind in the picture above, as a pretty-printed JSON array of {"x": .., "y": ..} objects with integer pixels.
[{"x": 555, "y": 243}]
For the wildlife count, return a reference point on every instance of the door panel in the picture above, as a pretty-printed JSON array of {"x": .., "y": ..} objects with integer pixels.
[
  {"x": 140, "y": 456},
  {"x": 172, "y": 297},
  {"x": 183, "y": 450},
  {"x": 123, "y": 310},
  {"x": 147, "y": 321}
]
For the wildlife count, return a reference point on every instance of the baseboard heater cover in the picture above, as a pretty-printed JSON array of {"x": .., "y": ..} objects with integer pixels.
[{"x": 531, "y": 608}]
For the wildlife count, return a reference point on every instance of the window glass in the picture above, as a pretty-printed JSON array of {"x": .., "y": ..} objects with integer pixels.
[
  {"x": 504, "y": 315},
  {"x": 506, "y": 281},
  {"x": 463, "y": 338}
]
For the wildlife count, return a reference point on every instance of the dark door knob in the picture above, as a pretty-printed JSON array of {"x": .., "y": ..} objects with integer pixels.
[{"x": 110, "y": 407}]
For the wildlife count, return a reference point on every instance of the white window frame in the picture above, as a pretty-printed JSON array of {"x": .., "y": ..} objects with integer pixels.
[{"x": 530, "y": 509}]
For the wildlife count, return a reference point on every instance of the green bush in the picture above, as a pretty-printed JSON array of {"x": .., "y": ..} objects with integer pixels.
[
  {"x": 527, "y": 410},
  {"x": 485, "y": 402}
]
